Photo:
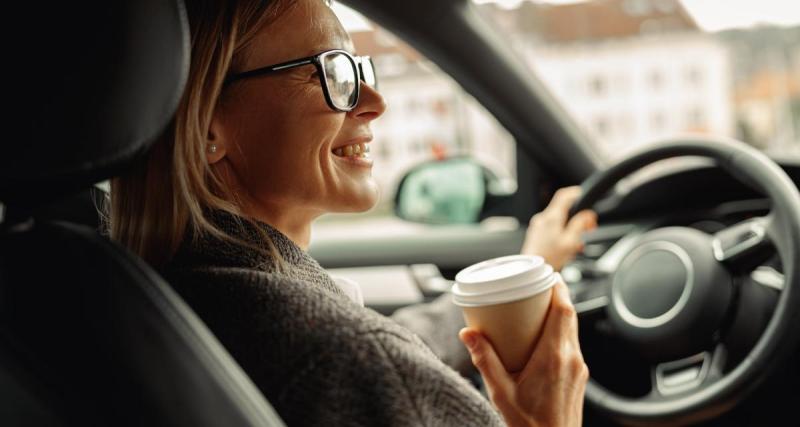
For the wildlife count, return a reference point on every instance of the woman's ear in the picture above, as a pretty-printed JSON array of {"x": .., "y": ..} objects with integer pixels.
[{"x": 215, "y": 141}]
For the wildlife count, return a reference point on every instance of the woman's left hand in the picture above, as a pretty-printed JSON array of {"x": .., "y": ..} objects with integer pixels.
[{"x": 554, "y": 238}]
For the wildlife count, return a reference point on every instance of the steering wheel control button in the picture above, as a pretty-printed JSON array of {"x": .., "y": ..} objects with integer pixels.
[
  {"x": 682, "y": 375},
  {"x": 740, "y": 239}
]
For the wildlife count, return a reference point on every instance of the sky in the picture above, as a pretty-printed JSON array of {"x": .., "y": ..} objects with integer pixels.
[
  {"x": 715, "y": 15},
  {"x": 711, "y": 15}
]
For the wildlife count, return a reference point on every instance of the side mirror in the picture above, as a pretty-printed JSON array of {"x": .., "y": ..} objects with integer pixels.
[{"x": 453, "y": 191}]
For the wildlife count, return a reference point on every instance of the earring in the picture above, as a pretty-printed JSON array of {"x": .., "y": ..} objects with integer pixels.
[{"x": 212, "y": 148}]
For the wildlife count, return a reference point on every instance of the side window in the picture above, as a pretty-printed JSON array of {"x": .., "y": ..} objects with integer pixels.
[{"x": 429, "y": 116}]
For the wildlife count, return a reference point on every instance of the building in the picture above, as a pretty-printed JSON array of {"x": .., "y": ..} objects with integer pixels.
[
  {"x": 766, "y": 87},
  {"x": 612, "y": 65}
]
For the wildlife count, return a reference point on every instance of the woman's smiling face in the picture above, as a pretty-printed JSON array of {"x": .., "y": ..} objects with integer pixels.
[{"x": 277, "y": 133}]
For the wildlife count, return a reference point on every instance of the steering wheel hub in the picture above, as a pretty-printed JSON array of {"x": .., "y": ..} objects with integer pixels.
[
  {"x": 654, "y": 284},
  {"x": 669, "y": 294}
]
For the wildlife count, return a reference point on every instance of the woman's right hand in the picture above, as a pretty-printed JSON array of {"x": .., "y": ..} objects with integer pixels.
[{"x": 549, "y": 390}]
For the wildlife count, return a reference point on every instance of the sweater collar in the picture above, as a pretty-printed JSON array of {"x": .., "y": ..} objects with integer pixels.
[{"x": 247, "y": 250}]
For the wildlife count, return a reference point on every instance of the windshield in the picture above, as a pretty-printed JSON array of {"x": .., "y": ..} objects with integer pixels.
[{"x": 631, "y": 72}]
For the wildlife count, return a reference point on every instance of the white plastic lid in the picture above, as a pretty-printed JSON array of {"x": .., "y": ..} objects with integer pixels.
[{"x": 503, "y": 280}]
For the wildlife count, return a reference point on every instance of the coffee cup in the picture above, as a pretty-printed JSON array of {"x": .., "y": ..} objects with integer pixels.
[{"x": 507, "y": 300}]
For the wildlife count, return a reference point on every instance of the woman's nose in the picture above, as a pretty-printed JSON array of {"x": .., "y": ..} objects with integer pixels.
[{"x": 371, "y": 104}]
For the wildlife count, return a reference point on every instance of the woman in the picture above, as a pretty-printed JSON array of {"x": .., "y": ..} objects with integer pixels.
[{"x": 223, "y": 204}]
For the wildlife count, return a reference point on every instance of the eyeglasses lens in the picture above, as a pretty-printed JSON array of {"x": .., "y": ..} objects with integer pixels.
[
  {"x": 368, "y": 73},
  {"x": 341, "y": 78}
]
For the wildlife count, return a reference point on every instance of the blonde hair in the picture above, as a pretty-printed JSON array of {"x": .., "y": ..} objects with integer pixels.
[{"x": 169, "y": 192}]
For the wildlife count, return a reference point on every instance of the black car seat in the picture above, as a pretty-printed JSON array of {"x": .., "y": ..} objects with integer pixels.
[
  {"x": 86, "y": 207},
  {"x": 89, "y": 334}
]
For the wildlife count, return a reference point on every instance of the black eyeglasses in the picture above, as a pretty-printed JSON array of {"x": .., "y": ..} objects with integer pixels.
[{"x": 339, "y": 74}]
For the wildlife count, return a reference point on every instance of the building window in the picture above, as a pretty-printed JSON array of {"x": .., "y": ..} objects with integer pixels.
[
  {"x": 597, "y": 86},
  {"x": 694, "y": 76},
  {"x": 602, "y": 127}
]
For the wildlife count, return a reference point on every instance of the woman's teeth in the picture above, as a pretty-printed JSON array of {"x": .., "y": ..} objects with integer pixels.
[{"x": 352, "y": 150}]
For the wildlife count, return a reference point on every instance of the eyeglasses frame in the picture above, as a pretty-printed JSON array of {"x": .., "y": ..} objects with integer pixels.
[{"x": 317, "y": 61}]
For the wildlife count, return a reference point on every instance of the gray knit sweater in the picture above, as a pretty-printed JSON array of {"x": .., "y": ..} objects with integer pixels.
[{"x": 319, "y": 358}]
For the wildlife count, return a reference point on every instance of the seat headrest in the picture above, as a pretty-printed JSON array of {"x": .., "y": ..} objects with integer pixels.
[{"x": 90, "y": 85}]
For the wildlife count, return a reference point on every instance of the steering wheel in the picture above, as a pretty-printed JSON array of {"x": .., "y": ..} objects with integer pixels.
[{"x": 673, "y": 293}]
